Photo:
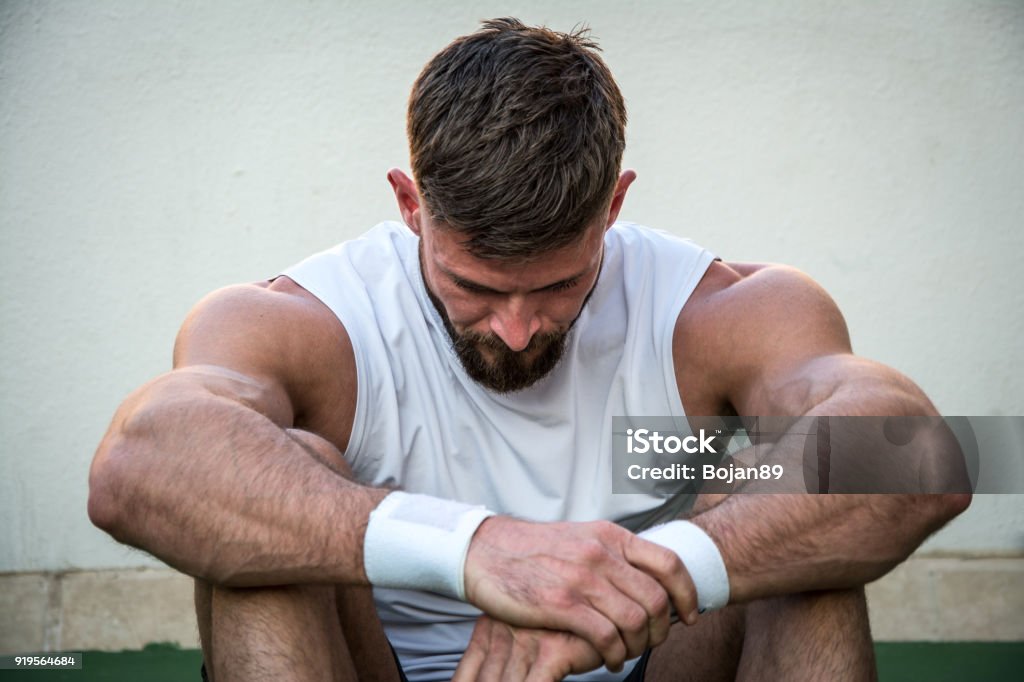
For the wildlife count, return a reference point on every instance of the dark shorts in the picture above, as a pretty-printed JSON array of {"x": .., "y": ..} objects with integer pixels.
[{"x": 635, "y": 675}]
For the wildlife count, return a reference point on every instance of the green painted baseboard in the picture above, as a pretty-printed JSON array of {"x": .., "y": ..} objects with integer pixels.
[
  {"x": 897, "y": 662},
  {"x": 950, "y": 661}
]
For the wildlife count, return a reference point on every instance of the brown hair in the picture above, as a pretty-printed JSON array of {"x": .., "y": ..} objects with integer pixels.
[{"x": 516, "y": 137}]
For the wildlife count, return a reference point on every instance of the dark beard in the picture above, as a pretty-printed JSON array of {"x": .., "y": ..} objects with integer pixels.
[{"x": 508, "y": 370}]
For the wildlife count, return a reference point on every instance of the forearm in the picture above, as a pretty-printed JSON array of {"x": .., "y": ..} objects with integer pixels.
[
  {"x": 777, "y": 543},
  {"x": 220, "y": 491}
]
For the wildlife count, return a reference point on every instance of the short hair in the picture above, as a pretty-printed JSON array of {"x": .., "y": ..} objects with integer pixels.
[{"x": 516, "y": 137}]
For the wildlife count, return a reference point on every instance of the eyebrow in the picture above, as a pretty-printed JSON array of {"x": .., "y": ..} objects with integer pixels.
[{"x": 476, "y": 286}]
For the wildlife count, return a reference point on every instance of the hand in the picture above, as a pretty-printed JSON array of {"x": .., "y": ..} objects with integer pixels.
[
  {"x": 595, "y": 580},
  {"x": 498, "y": 651}
]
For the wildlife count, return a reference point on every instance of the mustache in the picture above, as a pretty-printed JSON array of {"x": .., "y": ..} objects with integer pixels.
[
  {"x": 494, "y": 343},
  {"x": 507, "y": 370}
]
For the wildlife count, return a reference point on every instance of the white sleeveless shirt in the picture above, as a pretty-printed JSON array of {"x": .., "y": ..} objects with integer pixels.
[{"x": 543, "y": 453}]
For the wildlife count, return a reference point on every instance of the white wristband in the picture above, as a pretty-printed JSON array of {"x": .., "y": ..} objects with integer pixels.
[
  {"x": 419, "y": 542},
  {"x": 701, "y": 557}
]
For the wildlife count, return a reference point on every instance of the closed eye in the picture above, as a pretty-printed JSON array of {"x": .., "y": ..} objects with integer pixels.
[
  {"x": 472, "y": 288},
  {"x": 563, "y": 285}
]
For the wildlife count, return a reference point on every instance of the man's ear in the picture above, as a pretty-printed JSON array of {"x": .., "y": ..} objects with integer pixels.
[
  {"x": 625, "y": 180},
  {"x": 408, "y": 198}
]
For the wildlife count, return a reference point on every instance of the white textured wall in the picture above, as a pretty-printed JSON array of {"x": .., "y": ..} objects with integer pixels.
[{"x": 152, "y": 151}]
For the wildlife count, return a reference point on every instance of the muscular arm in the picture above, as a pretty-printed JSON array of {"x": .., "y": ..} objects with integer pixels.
[
  {"x": 770, "y": 344},
  {"x": 198, "y": 468},
  {"x": 779, "y": 346}
]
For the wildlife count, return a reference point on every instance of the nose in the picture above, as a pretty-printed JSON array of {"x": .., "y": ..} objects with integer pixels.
[{"x": 515, "y": 323}]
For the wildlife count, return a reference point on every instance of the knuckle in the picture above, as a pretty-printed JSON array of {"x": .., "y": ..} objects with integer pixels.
[
  {"x": 659, "y": 602},
  {"x": 668, "y": 562},
  {"x": 561, "y": 598},
  {"x": 610, "y": 530},
  {"x": 579, "y": 576},
  {"x": 635, "y": 620},
  {"x": 608, "y": 638},
  {"x": 591, "y": 551}
]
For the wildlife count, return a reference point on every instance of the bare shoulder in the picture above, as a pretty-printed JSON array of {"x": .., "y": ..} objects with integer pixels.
[
  {"x": 745, "y": 322},
  {"x": 259, "y": 322},
  {"x": 283, "y": 339},
  {"x": 734, "y": 293}
]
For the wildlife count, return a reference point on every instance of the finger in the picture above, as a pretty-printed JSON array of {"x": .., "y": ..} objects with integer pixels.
[
  {"x": 630, "y": 618},
  {"x": 522, "y": 652},
  {"x": 649, "y": 610},
  {"x": 499, "y": 649},
  {"x": 563, "y": 605},
  {"x": 516, "y": 669},
  {"x": 544, "y": 671},
  {"x": 642, "y": 614},
  {"x": 468, "y": 669},
  {"x": 562, "y": 654},
  {"x": 664, "y": 565},
  {"x": 634, "y": 601},
  {"x": 595, "y": 628}
]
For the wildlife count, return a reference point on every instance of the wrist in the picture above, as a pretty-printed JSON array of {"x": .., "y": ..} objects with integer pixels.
[
  {"x": 420, "y": 542},
  {"x": 700, "y": 555}
]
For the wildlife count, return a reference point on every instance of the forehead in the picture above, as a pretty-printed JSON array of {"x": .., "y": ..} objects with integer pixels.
[{"x": 446, "y": 248}]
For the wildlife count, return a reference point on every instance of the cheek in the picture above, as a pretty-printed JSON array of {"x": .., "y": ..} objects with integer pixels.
[
  {"x": 464, "y": 311},
  {"x": 569, "y": 305},
  {"x": 561, "y": 310}
]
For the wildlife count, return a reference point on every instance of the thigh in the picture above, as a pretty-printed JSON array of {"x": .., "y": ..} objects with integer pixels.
[
  {"x": 280, "y": 632},
  {"x": 316, "y": 632},
  {"x": 312, "y": 631},
  {"x": 705, "y": 652},
  {"x": 368, "y": 646},
  {"x": 810, "y": 636}
]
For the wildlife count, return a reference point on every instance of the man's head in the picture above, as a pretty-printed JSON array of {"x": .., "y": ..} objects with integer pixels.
[{"x": 516, "y": 136}]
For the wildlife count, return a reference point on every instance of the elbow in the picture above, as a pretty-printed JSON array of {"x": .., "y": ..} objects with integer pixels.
[
  {"x": 929, "y": 513},
  {"x": 122, "y": 470},
  {"x": 920, "y": 516},
  {"x": 102, "y": 508},
  {"x": 106, "y": 489},
  {"x": 952, "y": 492},
  {"x": 948, "y": 506},
  {"x": 944, "y": 475}
]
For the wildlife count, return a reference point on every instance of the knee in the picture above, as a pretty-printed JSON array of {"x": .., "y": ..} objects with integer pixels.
[
  {"x": 273, "y": 613},
  {"x": 847, "y": 605},
  {"x": 314, "y": 595},
  {"x": 852, "y": 595}
]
